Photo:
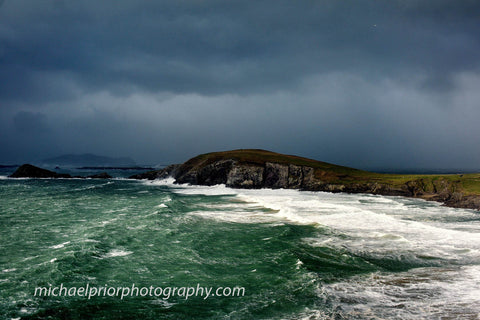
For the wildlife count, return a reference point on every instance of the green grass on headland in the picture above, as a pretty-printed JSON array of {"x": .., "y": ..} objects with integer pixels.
[{"x": 467, "y": 184}]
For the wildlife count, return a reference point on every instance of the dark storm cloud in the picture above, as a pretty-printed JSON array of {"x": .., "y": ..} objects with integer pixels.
[
  {"x": 29, "y": 122},
  {"x": 357, "y": 82},
  {"x": 235, "y": 46}
]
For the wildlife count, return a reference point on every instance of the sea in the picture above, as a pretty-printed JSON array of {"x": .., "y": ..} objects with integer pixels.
[{"x": 157, "y": 248}]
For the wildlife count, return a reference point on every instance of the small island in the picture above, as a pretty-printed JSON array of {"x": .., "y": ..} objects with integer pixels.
[
  {"x": 31, "y": 171},
  {"x": 254, "y": 168}
]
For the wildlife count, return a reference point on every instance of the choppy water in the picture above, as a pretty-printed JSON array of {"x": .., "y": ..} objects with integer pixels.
[{"x": 299, "y": 255}]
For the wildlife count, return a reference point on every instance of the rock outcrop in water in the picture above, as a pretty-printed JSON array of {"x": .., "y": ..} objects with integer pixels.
[
  {"x": 30, "y": 171},
  {"x": 263, "y": 169}
]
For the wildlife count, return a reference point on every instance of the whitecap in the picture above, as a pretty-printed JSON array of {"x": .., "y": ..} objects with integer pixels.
[
  {"x": 116, "y": 253},
  {"x": 298, "y": 264},
  {"x": 61, "y": 245},
  {"x": 160, "y": 182},
  {"x": 427, "y": 291},
  {"x": 104, "y": 223},
  {"x": 164, "y": 303},
  {"x": 219, "y": 189},
  {"x": 382, "y": 224}
]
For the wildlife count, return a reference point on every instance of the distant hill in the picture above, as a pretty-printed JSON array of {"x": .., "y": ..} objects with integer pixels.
[{"x": 88, "y": 159}]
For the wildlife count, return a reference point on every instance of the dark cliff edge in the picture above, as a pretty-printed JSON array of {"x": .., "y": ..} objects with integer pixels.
[
  {"x": 251, "y": 168},
  {"x": 157, "y": 174},
  {"x": 30, "y": 171}
]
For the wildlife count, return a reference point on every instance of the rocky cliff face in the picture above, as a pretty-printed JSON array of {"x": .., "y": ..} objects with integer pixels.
[
  {"x": 157, "y": 174},
  {"x": 246, "y": 176},
  {"x": 272, "y": 175},
  {"x": 242, "y": 175}
]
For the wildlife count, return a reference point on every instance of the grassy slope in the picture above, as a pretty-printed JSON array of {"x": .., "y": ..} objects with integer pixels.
[{"x": 468, "y": 184}]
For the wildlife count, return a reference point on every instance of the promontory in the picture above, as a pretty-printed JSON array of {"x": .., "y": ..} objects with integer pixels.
[{"x": 253, "y": 168}]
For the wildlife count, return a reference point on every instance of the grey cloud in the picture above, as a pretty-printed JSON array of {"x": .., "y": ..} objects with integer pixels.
[
  {"x": 321, "y": 121},
  {"x": 213, "y": 47},
  {"x": 30, "y": 122}
]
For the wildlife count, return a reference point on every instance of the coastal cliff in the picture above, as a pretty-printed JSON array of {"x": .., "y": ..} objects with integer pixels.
[{"x": 251, "y": 169}]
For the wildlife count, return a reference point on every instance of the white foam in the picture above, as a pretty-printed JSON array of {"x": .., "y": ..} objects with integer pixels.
[
  {"x": 163, "y": 303},
  {"x": 375, "y": 226},
  {"x": 380, "y": 225},
  {"x": 452, "y": 293},
  {"x": 298, "y": 264},
  {"x": 29, "y": 258},
  {"x": 239, "y": 216},
  {"x": 9, "y": 270},
  {"x": 384, "y": 224},
  {"x": 216, "y": 190},
  {"x": 3, "y": 177},
  {"x": 104, "y": 223},
  {"x": 94, "y": 186},
  {"x": 160, "y": 182},
  {"x": 219, "y": 189},
  {"x": 61, "y": 245},
  {"x": 116, "y": 253}
]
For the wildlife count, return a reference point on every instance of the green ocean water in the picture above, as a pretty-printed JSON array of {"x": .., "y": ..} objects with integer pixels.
[{"x": 298, "y": 255}]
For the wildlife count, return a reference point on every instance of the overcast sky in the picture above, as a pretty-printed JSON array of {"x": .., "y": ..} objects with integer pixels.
[{"x": 361, "y": 83}]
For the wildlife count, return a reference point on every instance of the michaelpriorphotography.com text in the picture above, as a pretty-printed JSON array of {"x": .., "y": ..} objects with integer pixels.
[{"x": 91, "y": 291}]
